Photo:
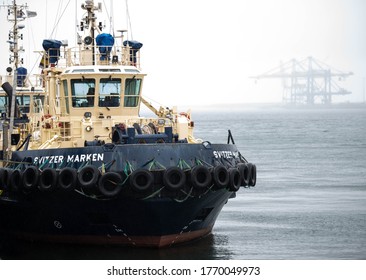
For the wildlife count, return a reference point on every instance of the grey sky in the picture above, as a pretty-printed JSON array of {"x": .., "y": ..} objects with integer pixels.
[{"x": 203, "y": 51}]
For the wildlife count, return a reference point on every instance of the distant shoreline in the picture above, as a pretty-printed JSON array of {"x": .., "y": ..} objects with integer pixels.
[
  {"x": 262, "y": 106},
  {"x": 249, "y": 106}
]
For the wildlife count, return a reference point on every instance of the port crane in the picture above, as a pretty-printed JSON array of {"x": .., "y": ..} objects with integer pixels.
[{"x": 308, "y": 81}]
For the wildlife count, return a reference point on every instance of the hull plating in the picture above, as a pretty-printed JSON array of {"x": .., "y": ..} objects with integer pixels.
[{"x": 77, "y": 219}]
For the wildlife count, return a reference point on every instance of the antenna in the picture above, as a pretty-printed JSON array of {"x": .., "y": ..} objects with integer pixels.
[{"x": 16, "y": 13}]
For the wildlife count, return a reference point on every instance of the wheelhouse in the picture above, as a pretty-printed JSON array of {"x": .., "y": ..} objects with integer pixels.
[{"x": 100, "y": 90}]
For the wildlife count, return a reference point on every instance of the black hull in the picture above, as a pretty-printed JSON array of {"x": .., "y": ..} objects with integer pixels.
[
  {"x": 156, "y": 217},
  {"x": 77, "y": 219}
]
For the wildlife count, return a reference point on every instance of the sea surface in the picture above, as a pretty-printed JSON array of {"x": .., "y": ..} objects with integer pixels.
[{"x": 309, "y": 202}]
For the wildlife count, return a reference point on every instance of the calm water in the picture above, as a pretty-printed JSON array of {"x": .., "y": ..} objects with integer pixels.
[{"x": 309, "y": 202}]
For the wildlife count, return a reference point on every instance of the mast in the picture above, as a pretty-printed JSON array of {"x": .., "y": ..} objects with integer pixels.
[
  {"x": 15, "y": 72},
  {"x": 15, "y": 15},
  {"x": 90, "y": 22}
]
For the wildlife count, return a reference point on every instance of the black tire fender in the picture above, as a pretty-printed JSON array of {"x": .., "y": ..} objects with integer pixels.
[
  {"x": 67, "y": 178},
  {"x": 110, "y": 184},
  {"x": 174, "y": 178},
  {"x": 235, "y": 179},
  {"x": 48, "y": 179},
  {"x": 201, "y": 177},
  {"x": 253, "y": 175},
  {"x": 88, "y": 176},
  {"x": 30, "y": 177},
  {"x": 244, "y": 171},
  {"x": 4, "y": 172},
  {"x": 15, "y": 180},
  {"x": 141, "y": 180},
  {"x": 220, "y": 176}
]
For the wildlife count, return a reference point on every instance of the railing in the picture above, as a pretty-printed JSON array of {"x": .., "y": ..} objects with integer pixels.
[
  {"x": 28, "y": 82},
  {"x": 84, "y": 56}
]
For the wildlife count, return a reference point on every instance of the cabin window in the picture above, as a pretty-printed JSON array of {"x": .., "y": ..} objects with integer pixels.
[
  {"x": 132, "y": 91},
  {"x": 3, "y": 104},
  {"x": 82, "y": 70},
  {"x": 23, "y": 102},
  {"x": 38, "y": 102},
  {"x": 66, "y": 92},
  {"x": 109, "y": 92},
  {"x": 82, "y": 92}
]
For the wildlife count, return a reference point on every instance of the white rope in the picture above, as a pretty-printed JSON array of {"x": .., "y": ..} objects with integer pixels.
[
  {"x": 56, "y": 24},
  {"x": 128, "y": 21}
]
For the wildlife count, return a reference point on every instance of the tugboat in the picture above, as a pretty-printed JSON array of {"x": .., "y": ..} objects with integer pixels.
[{"x": 79, "y": 163}]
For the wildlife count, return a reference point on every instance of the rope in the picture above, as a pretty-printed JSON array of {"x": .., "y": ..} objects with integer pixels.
[
  {"x": 242, "y": 158},
  {"x": 182, "y": 163},
  {"x": 184, "y": 199},
  {"x": 92, "y": 196},
  {"x": 202, "y": 162},
  {"x": 128, "y": 20},
  {"x": 44, "y": 164},
  {"x": 61, "y": 165},
  {"x": 102, "y": 171},
  {"x": 110, "y": 17},
  {"x": 56, "y": 23},
  {"x": 85, "y": 163},
  {"x": 209, "y": 189},
  {"x": 127, "y": 170},
  {"x": 153, "y": 194}
]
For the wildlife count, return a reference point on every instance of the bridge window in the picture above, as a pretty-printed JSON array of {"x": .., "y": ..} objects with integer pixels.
[
  {"x": 38, "y": 102},
  {"x": 23, "y": 102},
  {"x": 82, "y": 92},
  {"x": 132, "y": 91},
  {"x": 109, "y": 92},
  {"x": 3, "y": 104}
]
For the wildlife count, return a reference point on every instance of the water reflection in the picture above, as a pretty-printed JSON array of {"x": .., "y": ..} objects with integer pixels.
[{"x": 211, "y": 247}]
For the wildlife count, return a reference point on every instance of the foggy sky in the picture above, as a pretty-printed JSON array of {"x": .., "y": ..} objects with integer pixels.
[{"x": 203, "y": 52}]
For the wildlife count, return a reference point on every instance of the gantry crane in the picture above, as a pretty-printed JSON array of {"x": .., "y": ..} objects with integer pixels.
[{"x": 307, "y": 81}]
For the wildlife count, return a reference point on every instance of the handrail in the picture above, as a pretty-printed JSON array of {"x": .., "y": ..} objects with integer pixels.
[{"x": 79, "y": 56}]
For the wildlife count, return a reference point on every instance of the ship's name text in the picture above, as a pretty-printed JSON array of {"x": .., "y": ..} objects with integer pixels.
[
  {"x": 225, "y": 154},
  {"x": 69, "y": 158}
]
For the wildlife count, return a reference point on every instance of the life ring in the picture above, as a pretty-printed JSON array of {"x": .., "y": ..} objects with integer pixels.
[
  {"x": 67, "y": 178},
  {"x": 30, "y": 177},
  {"x": 244, "y": 171},
  {"x": 141, "y": 180},
  {"x": 220, "y": 176},
  {"x": 88, "y": 176},
  {"x": 201, "y": 177},
  {"x": 234, "y": 179},
  {"x": 174, "y": 178},
  {"x": 15, "y": 180},
  {"x": 110, "y": 184},
  {"x": 253, "y": 175},
  {"x": 48, "y": 179}
]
